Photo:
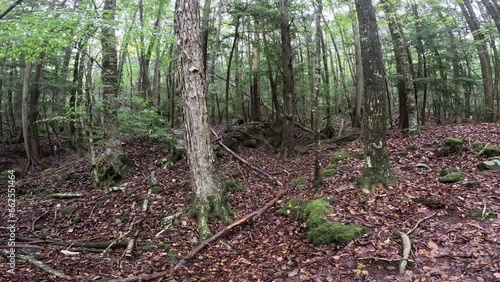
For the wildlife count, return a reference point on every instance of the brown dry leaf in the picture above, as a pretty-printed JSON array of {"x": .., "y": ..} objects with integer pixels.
[{"x": 433, "y": 245}]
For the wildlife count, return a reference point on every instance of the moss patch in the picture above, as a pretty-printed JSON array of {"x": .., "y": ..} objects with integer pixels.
[
  {"x": 294, "y": 207},
  {"x": 299, "y": 181},
  {"x": 452, "y": 146},
  {"x": 340, "y": 156},
  {"x": 452, "y": 177},
  {"x": 68, "y": 209},
  {"x": 478, "y": 145},
  {"x": 491, "y": 151},
  {"x": 484, "y": 214},
  {"x": 156, "y": 189},
  {"x": 316, "y": 212},
  {"x": 344, "y": 168},
  {"x": 231, "y": 185},
  {"x": 446, "y": 171},
  {"x": 335, "y": 232}
]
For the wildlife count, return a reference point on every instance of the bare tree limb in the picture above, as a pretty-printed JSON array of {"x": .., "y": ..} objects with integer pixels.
[{"x": 10, "y": 8}]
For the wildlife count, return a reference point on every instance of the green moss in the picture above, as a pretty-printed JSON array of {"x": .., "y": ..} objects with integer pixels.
[
  {"x": 484, "y": 214},
  {"x": 294, "y": 207},
  {"x": 491, "y": 151},
  {"x": 299, "y": 181},
  {"x": 328, "y": 172},
  {"x": 446, "y": 171},
  {"x": 77, "y": 219},
  {"x": 452, "y": 177},
  {"x": 340, "y": 156},
  {"x": 453, "y": 141},
  {"x": 232, "y": 185},
  {"x": 68, "y": 209},
  {"x": 156, "y": 189},
  {"x": 344, "y": 168},
  {"x": 473, "y": 184},
  {"x": 219, "y": 209},
  {"x": 335, "y": 232},
  {"x": 478, "y": 145},
  {"x": 147, "y": 248},
  {"x": 316, "y": 212},
  {"x": 71, "y": 176}
]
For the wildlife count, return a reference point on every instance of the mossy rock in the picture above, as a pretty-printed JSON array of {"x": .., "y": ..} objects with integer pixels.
[
  {"x": 452, "y": 146},
  {"x": 454, "y": 141},
  {"x": 448, "y": 171},
  {"x": 489, "y": 165},
  {"x": 332, "y": 232},
  {"x": 147, "y": 248},
  {"x": 231, "y": 185},
  {"x": 340, "y": 156},
  {"x": 294, "y": 207},
  {"x": 316, "y": 211},
  {"x": 68, "y": 209},
  {"x": 299, "y": 181},
  {"x": 231, "y": 143},
  {"x": 478, "y": 145},
  {"x": 491, "y": 151},
  {"x": 452, "y": 177},
  {"x": 156, "y": 189},
  {"x": 328, "y": 172},
  {"x": 344, "y": 168},
  {"x": 473, "y": 184},
  {"x": 250, "y": 143}
]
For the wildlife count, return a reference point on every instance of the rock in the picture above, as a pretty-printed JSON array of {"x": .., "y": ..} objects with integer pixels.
[
  {"x": 452, "y": 146},
  {"x": 473, "y": 184},
  {"x": 335, "y": 232},
  {"x": 489, "y": 165},
  {"x": 478, "y": 145},
  {"x": 452, "y": 177},
  {"x": 490, "y": 151},
  {"x": 448, "y": 171}
]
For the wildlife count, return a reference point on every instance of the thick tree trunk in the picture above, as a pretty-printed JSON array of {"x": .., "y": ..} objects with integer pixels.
[
  {"x": 287, "y": 138},
  {"x": 493, "y": 9},
  {"x": 34, "y": 110},
  {"x": 208, "y": 196},
  {"x": 377, "y": 169},
  {"x": 317, "y": 177}
]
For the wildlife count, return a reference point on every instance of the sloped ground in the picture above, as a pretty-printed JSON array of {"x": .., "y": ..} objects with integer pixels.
[{"x": 452, "y": 245}]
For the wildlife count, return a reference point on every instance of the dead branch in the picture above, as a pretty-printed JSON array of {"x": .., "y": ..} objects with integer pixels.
[
  {"x": 405, "y": 241},
  {"x": 382, "y": 259},
  {"x": 420, "y": 221},
  {"x": 65, "y": 195},
  {"x": 17, "y": 246},
  {"x": 226, "y": 229},
  {"x": 274, "y": 180},
  {"x": 34, "y": 222},
  {"x": 86, "y": 245},
  {"x": 120, "y": 238},
  {"x": 41, "y": 265}
]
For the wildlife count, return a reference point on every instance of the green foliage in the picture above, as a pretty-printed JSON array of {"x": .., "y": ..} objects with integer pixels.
[
  {"x": 335, "y": 232},
  {"x": 145, "y": 120}
]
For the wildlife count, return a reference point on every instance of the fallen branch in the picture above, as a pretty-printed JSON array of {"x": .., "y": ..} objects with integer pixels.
[
  {"x": 86, "y": 245},
  {"x": 482, "y": 150},
  {"x": 65, "y": 195},
  {"x": 41, "y": 265},
  {"x": 420, "y": 221},
  {"x": 382, "y": 259},
  {"x": 274, "y": 180},
  {"x": 405, "y": 241},
  {"x": 120, "y": 238},
  {"x": 34, "y": 222},
  {"x": 226, "y": 229},
  {"x": 145, "y": 277}
]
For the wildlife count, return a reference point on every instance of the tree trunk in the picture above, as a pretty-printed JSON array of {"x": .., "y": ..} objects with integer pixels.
[
  {"x": 407, "y": 102},
  {"x": 317, "y": 178},
  {"x": 208, "y": 196},
  {"x": 114, "y": 164},
  {"x": 25, "y": 115},
  {"x": 493, "y": 9},
  {"x": 287, "y": 138},
  {"x": 358, "y": 76},
  {"x": 484, "y": 58},
  {"x": 256, "y": 76},
  {"x": 376, "y": 168},
  {"x": 34, "y": 110},
  {"x": 228, "y": 74}
]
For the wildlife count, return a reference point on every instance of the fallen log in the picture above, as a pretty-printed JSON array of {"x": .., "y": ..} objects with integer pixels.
[
  {"x": 145, "y": 277},
  {"x": 226, "y": 229},
  {"x": 41, "y": 265}
]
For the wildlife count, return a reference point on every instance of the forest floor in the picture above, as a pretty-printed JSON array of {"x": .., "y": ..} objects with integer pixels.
[{"x": 451, "y": 243}]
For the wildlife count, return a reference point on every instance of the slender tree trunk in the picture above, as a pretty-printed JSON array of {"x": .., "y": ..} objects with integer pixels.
[
  {"x": 10, "y": 104},
  {"x": 25, "y": 115},
  {"x": 208, "y": 196},
  {"x": 484, "y": 58},
  {"x": 358, "y": 75},
  {"x": 205, "y": 29},
  {"x": 256, "y": 76},
  {"x": 317, "y": 178},
  {"x": 377, "y": 168},
  {"x": 287, "y": 138},
  {"x": 228, "y": 74},
  {"x": 493, "y": 9},
  {"x": 34, "y": 110}
]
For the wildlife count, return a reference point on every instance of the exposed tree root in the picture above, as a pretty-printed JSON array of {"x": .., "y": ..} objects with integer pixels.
[
  {"x": 405, "y": 241},
  {"x": 41, "y": 265},
  {"x": 226, "y": 229}
]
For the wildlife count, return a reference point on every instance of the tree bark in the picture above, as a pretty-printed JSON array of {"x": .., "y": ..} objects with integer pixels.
[
  {"x": 287, "y": 138},
  {"x": 493, "y": 9},
  {"x": 208, "y": 196},
  {"x": 376, "y": 169},
  {"x": 25, "y": 115},
  {"x": 358, "y": 76}
]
